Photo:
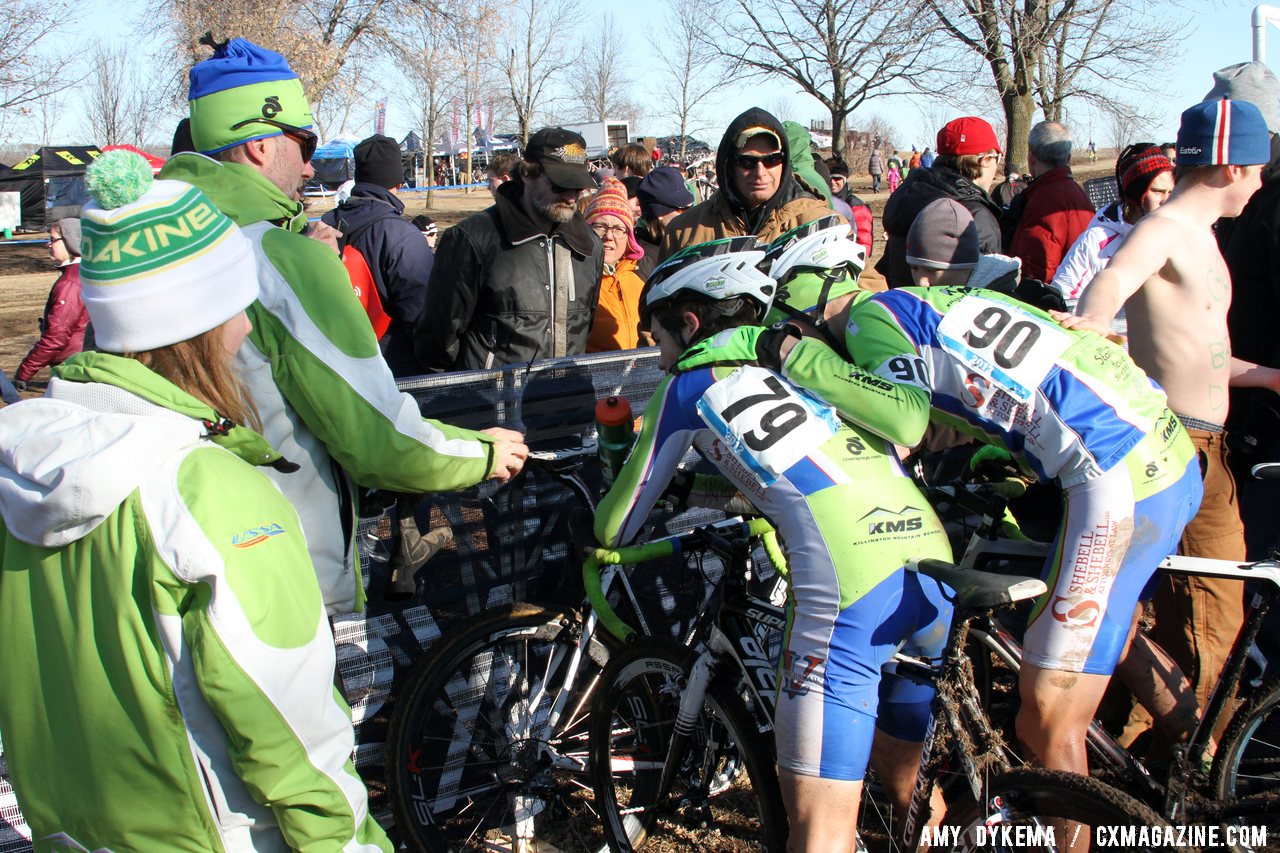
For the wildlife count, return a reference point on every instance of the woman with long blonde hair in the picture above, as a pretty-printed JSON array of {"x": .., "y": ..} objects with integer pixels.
[{"x": 168, "y": 664}]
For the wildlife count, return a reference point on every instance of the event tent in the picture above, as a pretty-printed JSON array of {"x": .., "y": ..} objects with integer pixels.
[
  {"x": 334, "y": 163},
  {"x": 156, "y": 163},
  {"x": 51, "y": 182}
]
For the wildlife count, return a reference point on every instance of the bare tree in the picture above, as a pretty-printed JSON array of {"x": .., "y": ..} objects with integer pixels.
[
  {"x": 107, "y": 97},
  {"x": 1107, "y": 44},
  {"x": 122, "y": 102},
  {"x": 472, "y": 33},
  {"x": 692, "y": 75},
  {"x": 425, "y": 60},
  {"x": 601, "y": 85},
  {"x": 1127, "y": 123},
  {"x": 347, "y": 92},
  {"x": 1043, "y": 52},
  {"x": 842, "y": 52},
  {"x": 317, "y": 37},
  {"x": 32, "y": 66},
  {"x": 539, "y": 29}
]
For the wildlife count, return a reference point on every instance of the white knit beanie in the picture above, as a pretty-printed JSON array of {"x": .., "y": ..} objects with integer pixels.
[{"x": 161, "y": 264}]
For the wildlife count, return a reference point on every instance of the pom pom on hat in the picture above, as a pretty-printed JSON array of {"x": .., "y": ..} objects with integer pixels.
[{"x": 118, "y": 178}]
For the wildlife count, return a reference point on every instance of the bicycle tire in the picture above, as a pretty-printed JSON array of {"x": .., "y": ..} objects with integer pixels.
[
  {"x": 1030, "y": 807},
  {"x": 725, "y": 796},
  {"x": 461, "y": 761},
  {"x": 1247, "y": 763}
]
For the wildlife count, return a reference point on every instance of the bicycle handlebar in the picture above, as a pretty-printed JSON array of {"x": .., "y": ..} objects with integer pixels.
[{"x": 646, "y": 553}]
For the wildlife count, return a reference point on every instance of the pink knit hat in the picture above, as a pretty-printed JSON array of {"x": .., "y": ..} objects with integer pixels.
[{"x": 611, "y": 200}]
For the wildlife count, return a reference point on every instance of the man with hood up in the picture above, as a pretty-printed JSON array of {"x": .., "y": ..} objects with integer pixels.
[{"x": 758, "y": 191}]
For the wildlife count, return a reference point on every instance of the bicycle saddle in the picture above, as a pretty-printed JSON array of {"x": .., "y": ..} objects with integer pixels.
[{"x": 978, "y": 590}]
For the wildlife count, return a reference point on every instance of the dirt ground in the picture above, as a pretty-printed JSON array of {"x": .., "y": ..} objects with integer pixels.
[{"x": 26, "y": 273}]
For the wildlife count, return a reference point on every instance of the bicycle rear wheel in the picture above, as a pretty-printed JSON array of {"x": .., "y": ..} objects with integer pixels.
[
  {"x": 1030, "y": 809},
  {"x": 724, "y": 795},
  {"x": 474, "y": 761},
  {"x": 1247, "y": 767}
]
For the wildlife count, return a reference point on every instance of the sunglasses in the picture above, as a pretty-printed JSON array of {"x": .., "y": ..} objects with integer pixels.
[
  {"x": 306, "y": 140},
  {"x": 749, "y": 161}
]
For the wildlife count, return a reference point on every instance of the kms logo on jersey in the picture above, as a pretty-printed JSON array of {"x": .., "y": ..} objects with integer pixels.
[{"x": 882, "y": 521}]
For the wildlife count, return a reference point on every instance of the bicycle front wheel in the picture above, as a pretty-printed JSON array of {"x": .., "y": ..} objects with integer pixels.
[
  {"x": 1030, "y": 809},
  {"x": 1246, "y": 768},
  {"x": 723, "y": 792},
  {"x": 487, "y": 748}
]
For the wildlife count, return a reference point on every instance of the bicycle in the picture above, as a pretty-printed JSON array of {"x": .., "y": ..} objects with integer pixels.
[
  {"x": 487, "y": 747},
  {"x": 1243, "y": 782},
  {"x": 726, "y": 789},
  {"x": 645, "y": 740}
]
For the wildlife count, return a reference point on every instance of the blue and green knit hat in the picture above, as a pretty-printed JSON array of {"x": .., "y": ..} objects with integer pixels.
[
  {"x": 242, "y": 82},
  {"x": 161, "y": 264}
]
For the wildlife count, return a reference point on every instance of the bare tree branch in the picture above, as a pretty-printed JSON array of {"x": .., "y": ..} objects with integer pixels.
[
  {"x": 534, "y": 56},
  {"x": 32, "y": 67},
  {"x": 841, "y": 52},
  {"x": 693, "y": 74},
  {"x": 1045, "y": 53}
]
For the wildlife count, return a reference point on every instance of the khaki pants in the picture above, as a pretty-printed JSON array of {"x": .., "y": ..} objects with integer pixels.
[{"x": 1197, "y": 619}]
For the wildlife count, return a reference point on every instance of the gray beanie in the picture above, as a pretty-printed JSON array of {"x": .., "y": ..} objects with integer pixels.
[
  {"x": 1252, "y": 82},
  {"x": 943, "y": 237},
  {"x": 70, "y": 229}
]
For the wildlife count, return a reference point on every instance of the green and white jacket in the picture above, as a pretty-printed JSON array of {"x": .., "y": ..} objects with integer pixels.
[
  {"x": 327, "y": 398},
  {"x": 167, "y": 663}
]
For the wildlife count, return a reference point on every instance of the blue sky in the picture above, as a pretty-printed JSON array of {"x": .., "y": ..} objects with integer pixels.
[{"x": 1219, "y": 35}]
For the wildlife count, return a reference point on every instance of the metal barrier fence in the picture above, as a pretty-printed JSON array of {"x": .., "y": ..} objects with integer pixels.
[{"x": 510, "y": 542}]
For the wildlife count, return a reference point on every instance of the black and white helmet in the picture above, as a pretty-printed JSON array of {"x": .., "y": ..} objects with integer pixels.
[
  {"x": 720, "y": 269},
  {"x": 821, "y": 244}
]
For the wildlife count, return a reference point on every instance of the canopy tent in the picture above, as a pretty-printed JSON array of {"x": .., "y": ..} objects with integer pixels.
[
  {"x": 51, "y": 182},
  {"x": 334, "y": 163},
  {"x": 156, "y": 163}
]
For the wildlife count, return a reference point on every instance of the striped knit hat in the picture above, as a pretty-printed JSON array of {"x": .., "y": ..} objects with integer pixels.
[
  {"x": 161, "y": 264},
  {"x": 611, "y": 200},
  {"x": 1137, "y": 166},
  {"x": 243, "y": 92},
  {"x": 1223, "y": 133}
]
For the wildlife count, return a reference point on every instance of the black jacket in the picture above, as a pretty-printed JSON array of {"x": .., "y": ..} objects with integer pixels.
[
  {"x": 1250, "y": 245},
  {"x": 921, "y": 187},
  {"x": 399, "y": 259},
  {"x": 508, "y": 289}
]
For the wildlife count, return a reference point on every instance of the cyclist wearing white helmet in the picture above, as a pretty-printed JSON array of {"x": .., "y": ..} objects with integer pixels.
[
  {"x": 849, "y": 518},
  {"x": 816, "y": 266}
]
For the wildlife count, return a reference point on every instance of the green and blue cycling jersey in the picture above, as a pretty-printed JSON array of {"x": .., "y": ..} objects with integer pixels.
[
  {"x": 848, "y": 517},
  {"x": 1070, "y": 405}
]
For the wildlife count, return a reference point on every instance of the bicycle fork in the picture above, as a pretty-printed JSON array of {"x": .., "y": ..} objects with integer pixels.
[{"x": 692, "y": 699}]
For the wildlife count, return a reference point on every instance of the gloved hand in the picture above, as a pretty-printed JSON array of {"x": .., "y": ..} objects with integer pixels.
[
  {"x": 676, "y": 495},
  {"x": 21, "y": 385},
  {"x": 996, "y": 465}
]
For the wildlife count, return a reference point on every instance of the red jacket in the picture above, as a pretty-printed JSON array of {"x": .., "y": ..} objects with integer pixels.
[
  {"x": 61, "y": 328},
  {"x": 1056, "y": 212}
]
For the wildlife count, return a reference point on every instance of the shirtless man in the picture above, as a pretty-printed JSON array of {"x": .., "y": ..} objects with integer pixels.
[{"x": 1176, "y": 290}]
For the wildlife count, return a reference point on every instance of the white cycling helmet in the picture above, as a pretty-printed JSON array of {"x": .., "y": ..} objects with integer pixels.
[
  {"x": 822, "y": 244},
  {"x": 720, "y": 269}
]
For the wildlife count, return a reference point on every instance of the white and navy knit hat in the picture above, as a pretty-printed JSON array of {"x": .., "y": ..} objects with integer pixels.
[{"x": 161, "y": 264}]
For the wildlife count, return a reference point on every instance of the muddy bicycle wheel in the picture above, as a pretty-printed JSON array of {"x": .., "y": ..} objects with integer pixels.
[
  {"x": 474, "y": 762},
  {"x": 724, "y": 790}
]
